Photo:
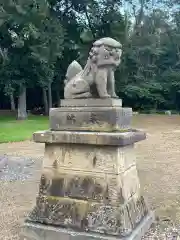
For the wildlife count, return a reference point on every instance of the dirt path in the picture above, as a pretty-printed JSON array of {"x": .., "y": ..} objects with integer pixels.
[
  {"x": 158, "y": 164},
  {"x": 26, "y": 149},
  {"x": 158, "y": 160}
]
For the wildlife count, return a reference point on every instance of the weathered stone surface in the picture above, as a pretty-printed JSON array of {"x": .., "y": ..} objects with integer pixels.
[
  {"x": 97, "y": 138},
  {"x": 102, "y": 189},
  {"x": 99, "y": 195},
  {"x": 35, "y": 231},
  {"x": 89, "y": 216},
  {"x": 137, "y": 209},
  {"x": 130, "y": 183},
  {"x": 127, "y": 158},
  {"x": 90, "y": 187},
  {"x": 106, "y": 119},
  {"x": 109, "y": 220},
  {"x": 96, "y": 80},
  {"x": 75, "y": 187},
  {"x": 65, "y": 212},
  {"x": 91, "y": 102},
  {"x": 82, "y": 170},
  {"x": 89, "y": 158}
]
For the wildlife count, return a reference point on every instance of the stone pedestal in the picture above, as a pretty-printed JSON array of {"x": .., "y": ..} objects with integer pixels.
[
  {"x": 90, "y": 115},
  {"x": 89, "y": 187}
]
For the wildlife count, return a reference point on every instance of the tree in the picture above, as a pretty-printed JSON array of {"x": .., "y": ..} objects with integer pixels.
[
  {"x": 26, "y": 34},
  {"x": 46, "y": 53},
  {"x": 42, "y": 38}
]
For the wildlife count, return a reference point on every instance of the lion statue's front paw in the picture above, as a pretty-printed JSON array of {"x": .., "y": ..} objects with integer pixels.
[
  {"x": 114, "y": 96},
  {"x": 106, "y": 96}
]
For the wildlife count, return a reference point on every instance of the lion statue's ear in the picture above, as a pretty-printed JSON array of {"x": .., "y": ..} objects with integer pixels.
[{"x": 73, "y": 69}]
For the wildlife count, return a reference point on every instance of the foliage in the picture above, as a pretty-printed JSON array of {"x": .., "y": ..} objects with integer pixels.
[
  {"x": 33, "y": 40},
  {"x": 39, "y": 38}
]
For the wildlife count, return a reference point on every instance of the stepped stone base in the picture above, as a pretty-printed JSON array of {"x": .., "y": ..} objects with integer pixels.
[
  {"x": 89, "y": 187},
  {"x": 34, "y": 231}
]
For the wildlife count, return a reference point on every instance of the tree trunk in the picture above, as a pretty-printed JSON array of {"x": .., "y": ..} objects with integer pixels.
[
  {"x": 50, "y": 95},
  {"x": 22, "y": 112},
  {"x": 45, "y": 102},
  {"x": 58, "y": 98},
  {"x": 13, "y": 108}
]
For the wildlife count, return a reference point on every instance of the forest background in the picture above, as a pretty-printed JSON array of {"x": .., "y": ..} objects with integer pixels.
[{"x": 40, "y": 38}]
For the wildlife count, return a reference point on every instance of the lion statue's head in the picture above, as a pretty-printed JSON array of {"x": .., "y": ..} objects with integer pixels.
[{"x": 106, "y": 52}]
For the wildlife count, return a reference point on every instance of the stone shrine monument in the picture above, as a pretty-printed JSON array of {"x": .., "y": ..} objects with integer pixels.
[{"x": 89, "y": 187}]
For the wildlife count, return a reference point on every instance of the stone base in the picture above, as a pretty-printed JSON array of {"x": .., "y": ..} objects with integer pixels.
[
  {"x": 104, "y": 119},
  {"x": 33, "y": 231},
  {"x": 105, "y": 115},
  {"x": 91, "y": 138},
  {"x": 91, "y": 102}
]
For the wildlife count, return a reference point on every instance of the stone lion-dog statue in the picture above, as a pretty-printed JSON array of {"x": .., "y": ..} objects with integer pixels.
[{"x": 96, "y": 80}]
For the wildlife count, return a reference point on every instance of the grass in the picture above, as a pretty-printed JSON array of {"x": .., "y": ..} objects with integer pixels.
[{"x": 12, "y": 130}]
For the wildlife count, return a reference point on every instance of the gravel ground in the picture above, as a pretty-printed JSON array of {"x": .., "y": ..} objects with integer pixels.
[
  {"x": 19, "y": 178},
  {"x": 18, "y": 185},
  {"x": 157, "y": 161}
]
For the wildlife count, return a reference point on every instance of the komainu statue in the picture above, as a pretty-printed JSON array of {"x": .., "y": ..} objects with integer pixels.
[{"x": 96, "y": 80}]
